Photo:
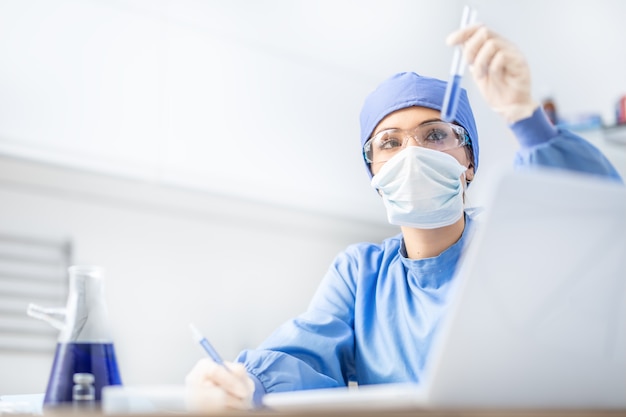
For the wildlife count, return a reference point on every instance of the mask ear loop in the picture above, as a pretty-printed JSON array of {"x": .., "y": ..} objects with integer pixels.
[
  {"x": 467, "y": 207},
  {"x": 465, "y": 183}
]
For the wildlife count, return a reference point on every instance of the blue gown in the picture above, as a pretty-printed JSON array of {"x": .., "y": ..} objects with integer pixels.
[{"x": 374, "y": 315}]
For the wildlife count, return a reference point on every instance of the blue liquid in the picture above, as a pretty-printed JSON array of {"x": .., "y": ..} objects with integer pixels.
[
  {"x": 70, "y": 358},
  {"x": 451, "y": 99}
]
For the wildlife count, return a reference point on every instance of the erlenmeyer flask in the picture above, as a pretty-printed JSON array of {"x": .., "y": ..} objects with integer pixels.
[{"x": 85, "y": 344}]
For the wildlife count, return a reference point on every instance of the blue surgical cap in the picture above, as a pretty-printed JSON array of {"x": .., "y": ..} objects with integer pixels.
[{"x": 408, "y": 89}]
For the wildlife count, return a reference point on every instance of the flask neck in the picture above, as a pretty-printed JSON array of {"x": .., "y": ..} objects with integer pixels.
[{"x": 87, "y": 315}]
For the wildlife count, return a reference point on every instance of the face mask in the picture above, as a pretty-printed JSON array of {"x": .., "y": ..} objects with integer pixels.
[{"x": 421, "y": 188}]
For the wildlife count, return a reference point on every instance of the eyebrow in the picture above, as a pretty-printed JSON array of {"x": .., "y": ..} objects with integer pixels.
[{"x": 422, "y": 123}]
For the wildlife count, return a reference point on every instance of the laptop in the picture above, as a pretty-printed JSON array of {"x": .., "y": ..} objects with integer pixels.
[{"x": 538, "y": 317}]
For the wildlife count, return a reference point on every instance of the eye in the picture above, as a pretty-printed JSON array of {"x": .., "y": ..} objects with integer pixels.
[
  {"x": 389, "y": 140},
  {"x": 436, "y": 135}
]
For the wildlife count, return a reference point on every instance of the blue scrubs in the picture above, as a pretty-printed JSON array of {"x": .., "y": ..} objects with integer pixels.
[{"x": 373, "y": 317}]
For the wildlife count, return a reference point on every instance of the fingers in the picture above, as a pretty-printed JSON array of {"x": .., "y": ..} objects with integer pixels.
[
  {"x": 485, "y": 51},
  {"x": 486, "y": 58},
  {"x": 233, "y": 380},
  {"x": 459, "y": 36},
  {"x": 204, "y": 370},
  {"x": 212, "y": 386},
  {"x": 205, "y": 398},
  {"x": 479, "y": 46}
]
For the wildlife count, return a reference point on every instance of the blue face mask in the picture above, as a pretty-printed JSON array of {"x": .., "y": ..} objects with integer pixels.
[{"x": 421, "y": 188}]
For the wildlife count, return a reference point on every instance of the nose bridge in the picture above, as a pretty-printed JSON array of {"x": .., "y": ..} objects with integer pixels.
[{"x": 408, "y": 135}]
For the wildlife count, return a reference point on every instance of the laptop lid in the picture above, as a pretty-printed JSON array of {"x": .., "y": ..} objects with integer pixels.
[{"x": 540, "y": 312}]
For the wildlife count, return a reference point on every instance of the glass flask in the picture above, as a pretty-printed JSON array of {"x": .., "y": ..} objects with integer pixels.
[{"x": 85, "y": 344}]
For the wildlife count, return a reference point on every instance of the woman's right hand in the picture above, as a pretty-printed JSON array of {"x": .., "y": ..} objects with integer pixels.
[{"x": 212, "y": 387}]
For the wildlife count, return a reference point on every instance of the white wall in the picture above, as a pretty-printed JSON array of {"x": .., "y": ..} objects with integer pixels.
[
  {"x": 203, "y": 93},
  {"x": 235, "y": 268}
]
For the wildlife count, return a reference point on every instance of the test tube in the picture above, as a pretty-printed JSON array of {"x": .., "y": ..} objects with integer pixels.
[{"x": 453, "y": 89}]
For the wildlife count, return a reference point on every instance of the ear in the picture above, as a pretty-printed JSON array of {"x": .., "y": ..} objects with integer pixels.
[{"x": 469, "y": 174}]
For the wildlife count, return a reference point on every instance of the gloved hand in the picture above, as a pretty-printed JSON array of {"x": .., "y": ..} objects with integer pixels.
[
  {"x": 499, "y": 69},
  {"x": 210, "y": 387}
]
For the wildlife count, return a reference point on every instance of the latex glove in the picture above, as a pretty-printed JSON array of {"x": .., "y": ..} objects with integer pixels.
[
  {"x": 499, "y": 70},
  {"x": 210, "y": 387}
]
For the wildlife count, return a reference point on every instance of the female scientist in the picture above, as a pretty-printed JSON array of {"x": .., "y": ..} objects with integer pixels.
[{"x": 373, "y": 318}]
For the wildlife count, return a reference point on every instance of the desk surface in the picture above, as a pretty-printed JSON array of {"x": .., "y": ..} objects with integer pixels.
[{"x": 370, "y": 413}]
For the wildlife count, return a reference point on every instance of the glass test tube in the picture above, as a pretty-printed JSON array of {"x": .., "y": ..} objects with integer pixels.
[{"x": 453, "y": 89}]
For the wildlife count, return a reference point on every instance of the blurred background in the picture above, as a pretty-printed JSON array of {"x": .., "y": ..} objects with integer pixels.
[{"x": 206, "y": 153}]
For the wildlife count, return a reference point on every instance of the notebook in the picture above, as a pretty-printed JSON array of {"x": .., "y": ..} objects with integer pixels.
[{"x": 538, "y": 317}]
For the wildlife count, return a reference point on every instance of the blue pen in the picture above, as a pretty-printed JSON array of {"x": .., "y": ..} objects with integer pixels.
[
  {"x": 208, "y": 348},
  {"x": 453, "y": 89}
]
